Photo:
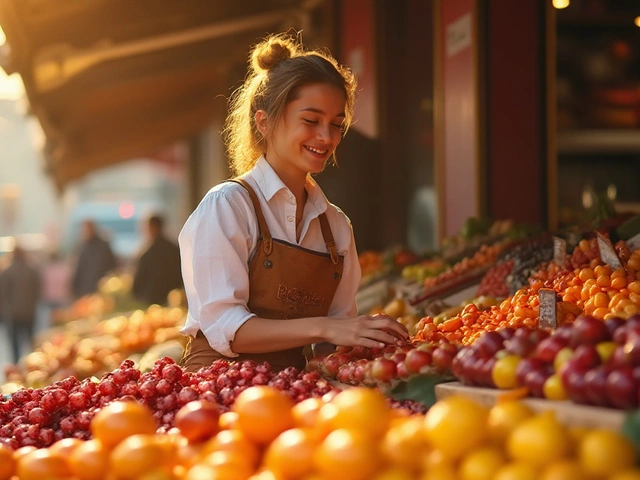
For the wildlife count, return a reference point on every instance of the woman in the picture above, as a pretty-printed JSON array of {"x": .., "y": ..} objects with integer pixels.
[{"x": 269, "y": 264}]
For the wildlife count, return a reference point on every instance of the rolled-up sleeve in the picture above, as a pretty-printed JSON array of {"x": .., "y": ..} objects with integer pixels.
[{"x": 215, "y": 244}]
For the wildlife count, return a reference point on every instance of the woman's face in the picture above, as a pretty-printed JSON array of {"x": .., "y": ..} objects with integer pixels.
[{"x": 308, "y": 132}]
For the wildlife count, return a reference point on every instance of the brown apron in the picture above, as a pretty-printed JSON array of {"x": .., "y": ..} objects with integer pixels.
[{"x": 285, "y": 281}]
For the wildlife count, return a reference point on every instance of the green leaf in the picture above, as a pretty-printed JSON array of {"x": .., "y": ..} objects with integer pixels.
[
  {"x": 631, "y": 427},
  {"x": 421, "y": 388}
]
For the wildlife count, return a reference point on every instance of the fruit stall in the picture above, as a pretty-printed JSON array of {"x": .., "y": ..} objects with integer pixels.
[{"x": 523, "y": 363}]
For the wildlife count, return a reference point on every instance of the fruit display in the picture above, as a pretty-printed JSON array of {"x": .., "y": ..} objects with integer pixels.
[
  {"x": 419, "y": 272},
  {"x": 353, "y": 435},
  {"x": 90, "y": 347}
]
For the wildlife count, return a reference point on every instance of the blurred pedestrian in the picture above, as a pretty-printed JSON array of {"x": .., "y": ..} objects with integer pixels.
[
  {"x": 56, "y": 283},
  {"x": 19, "y": 294},
  {"x": 158, "y": 269},
  {"x": 96, "y": 259}
]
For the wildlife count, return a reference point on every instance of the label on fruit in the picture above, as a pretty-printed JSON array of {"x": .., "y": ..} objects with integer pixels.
[
  {"x": 607, "y": 252},
  {"x": 548, "y": 308},
  {"x": 634, "y": 242},
  {"x": 559, "y": 251}
]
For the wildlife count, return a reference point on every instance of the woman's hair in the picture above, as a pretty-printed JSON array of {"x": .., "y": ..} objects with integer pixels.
[{"x": 278, "y": 67}]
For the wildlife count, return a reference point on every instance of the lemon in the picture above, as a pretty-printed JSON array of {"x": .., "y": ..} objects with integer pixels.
[
  {"x": 604, "y": 452},
  {"x": 539, "y": 440},
  {"x": 563, "y": 470},
  {"x": 516, "y": 471},
  {"x": 503, "y": 372},
  {"x": 456, "y": 425},
  {"x": 504, "y": 417},
  {"x": 481, "y": 464}
]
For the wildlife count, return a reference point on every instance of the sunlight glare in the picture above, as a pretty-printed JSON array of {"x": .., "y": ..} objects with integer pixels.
[{"x": 11, "y": 86}]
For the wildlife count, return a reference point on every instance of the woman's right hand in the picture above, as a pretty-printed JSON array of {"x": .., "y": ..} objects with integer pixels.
[{"x": 373, "y": 331}]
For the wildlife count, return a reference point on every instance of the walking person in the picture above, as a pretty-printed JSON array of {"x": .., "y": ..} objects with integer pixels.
[
  {"x": 96, "y": 259},
  {"x": 158, "y": 269},
  {"x": 19, "y": 295},
  {"x": 269, "y": 264}
]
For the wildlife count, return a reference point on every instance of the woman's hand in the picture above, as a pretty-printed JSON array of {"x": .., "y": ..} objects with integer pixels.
[{"x": 366, "y": 331}]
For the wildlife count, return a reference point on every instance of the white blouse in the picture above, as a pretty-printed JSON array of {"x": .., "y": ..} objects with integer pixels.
[{"x": 219, "y": 237}]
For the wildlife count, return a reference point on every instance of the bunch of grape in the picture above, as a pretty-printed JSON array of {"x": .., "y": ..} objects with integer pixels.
[{"x": 39, "y": 417}]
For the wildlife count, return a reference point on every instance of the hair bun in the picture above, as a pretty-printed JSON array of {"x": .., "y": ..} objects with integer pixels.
[{"x": 271, "y": 52}]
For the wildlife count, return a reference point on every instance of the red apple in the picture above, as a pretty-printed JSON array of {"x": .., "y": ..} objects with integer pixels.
[
  {"x": 595, "y": 387},
  {"x": 632, "y": 348},
  {"x": 586, "y": 357},
  {"x": 613, "y": 324},
  {"x": 588, "y": 330},
  {"x": 416, "y": 360},
  {"x": 442, "y": 358},
  {"x": 507, "y": 332},
  {"x": 383, "y": 370},
  {"x": 331, "y": 363},
  {"x": 548, "y": 348},
  {"x": 489, "y": 344},
  {"x": 520, "y": 346},
  {"x": 525, "y": 366},
  {"x": 534, "y": 381},
  {"x": 575, "y": 386},
  {"x": 622, "y": 389},
  {"x": 401, "y": 370}
]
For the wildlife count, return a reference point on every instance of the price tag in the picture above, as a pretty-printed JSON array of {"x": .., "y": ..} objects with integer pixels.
[
  {"x": 634, "y": 242},
  {"x": 548, "y": 317},
  {"x": 559, "y": 251},
  {"x": 607, "y": 252}
]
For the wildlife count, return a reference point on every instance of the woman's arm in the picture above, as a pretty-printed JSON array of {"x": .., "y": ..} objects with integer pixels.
[{"x": 261, "y": 335}]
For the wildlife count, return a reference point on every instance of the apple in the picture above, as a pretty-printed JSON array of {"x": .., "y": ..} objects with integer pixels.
[
  {"x": 507, "y": 333},
  {"x": 588, "y": 330},
  {"x": 564, "y": 331},
  {"x": 586, "y": 357},
  {"x": 485, "y": 372},
  {"x": 416, "y": 360},
  {"x": 527, "y": 365},
  {"x": 538, "y": 335},
  {"x": 613, "y": 324},
  {"x": 489, "y": 344},
  {"x": 622, "y": 389},
  {"x": 383, "y": 370},
  {"x": 521, "y": 346},
  {"x": 575, "y": 385},
  {"x": 442, "y": 358},
  {"x": 548, "y": 348},
  {"x": 331, "y": 364},
  {"x": 359, "y": 352},
  {"x": 632, "y": 348},
  {"x": 534, "y": 381},
  {"x": 459, "y": 365},
  {"x": 619, "y": 359},
  {"x": 595, "y": 385}
]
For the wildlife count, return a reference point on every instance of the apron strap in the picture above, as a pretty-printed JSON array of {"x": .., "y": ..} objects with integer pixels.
[
  {"x": 264, "y": 232},
  {"x": 328, "y": 238}
]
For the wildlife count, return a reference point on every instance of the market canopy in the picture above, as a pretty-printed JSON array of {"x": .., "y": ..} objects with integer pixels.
[{"x": 111, "y": 80}]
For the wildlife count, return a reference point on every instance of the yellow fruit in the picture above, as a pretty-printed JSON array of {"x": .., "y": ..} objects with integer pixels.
[
  {"x": 553, "y": 388},
  {"x": 539, "y": 440},
  {"x": 631, "y": 474},
  {"x": 403, "y": 445},
  {"x": 440, "y": 472},
  {"x": 604, "y": 452},
  {"x": 394, "y": 473},
  {"x": 561, "y": 357},
  {"x": 456, "y": 425},
  {"x": 563, "y": 470},
  {"x": 503, "y": 373},
  {"x": 362, "y": 409},
  {"x": 481, "y": 464},
  {"x": 346, "y": 455},
  {"x": 504, "y": 417},
  {"x": 291, "y": 453},
  {"x": 516, "y": 471}
]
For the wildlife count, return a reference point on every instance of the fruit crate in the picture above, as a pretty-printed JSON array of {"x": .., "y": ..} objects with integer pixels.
[{"x": 569, "y": 413}]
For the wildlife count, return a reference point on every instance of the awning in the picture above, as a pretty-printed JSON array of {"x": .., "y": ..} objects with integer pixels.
[{"x": 111, "y": 80}]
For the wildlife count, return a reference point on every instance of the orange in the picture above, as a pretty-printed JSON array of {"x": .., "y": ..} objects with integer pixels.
[
  {"x": 89, "y": 461},
  {"x": 229, "y": 466},
  {"x": 306, "y": 412},
  {"x": 516, "y": 471},
  {"x": 135, "y": 456},
  {"x": 291, "y": 454},
  {"x": 604, "y": 452},
  {"x": 7, "y": 463},
  {"x": 22, "y": 451},
  {"x": 404, "y": 444},
  {"x": 263, "y": 413},
  {"x": 456, "y": 425},
  {"x": 324, "y": 420},
  {"x": 228, "y": 420},
  {"x": 539, "y": 440},
  {"x": 481, "y": 464},
  {"x": 504, "y": 417},
  {"x": 362, "y": 409},
  {"x": 394, "y": 473},
  {"x": 563, "y": 470},
  {"x": 346, "y": 455},
  {"x": 40, "y": 464},
  {"x": 233, "y": 441},
  {"x": 119, "y": 420},
  {"x": 65, "y": 447}
]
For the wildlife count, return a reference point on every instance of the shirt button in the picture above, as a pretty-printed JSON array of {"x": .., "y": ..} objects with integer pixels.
[{"x": 290, "y": 218}]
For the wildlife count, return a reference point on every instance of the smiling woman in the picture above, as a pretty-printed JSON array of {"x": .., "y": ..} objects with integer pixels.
[{"x": 11, "y": 86}]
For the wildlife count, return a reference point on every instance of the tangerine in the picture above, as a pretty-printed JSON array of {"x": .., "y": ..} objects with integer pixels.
[
  {"x": 40, "y": 464},
  {"x": 563, "y": 470},
  {"x": 291, "y": 454},
  {"x": 481, "y": 464},
  {"x": 456, "y": 425},
  {"x": 89, "y": 461},
  {"x": 7, "y": 463},
  {"x": 228, "y": 420},
  {"x": 305, "y": 413},
  {"x": 229, "y": 465},
  {"x": 402, "y": 442},
  {"x": 65, "y": 447},
  {"x": 135, "y": 455},
  {"x": 362, "y": 409},
  {"x": 604, "y": 452},
  {"x": 346, "y": 455},
  {"x": 539, "y": 440},
  {"x": 516, "y": 471},
  {"x": 119, "y": 420},
  {"x": 263, "y": 413},
  {"x": 504, "y": 417},
  {"x": 233, "y": 441}
]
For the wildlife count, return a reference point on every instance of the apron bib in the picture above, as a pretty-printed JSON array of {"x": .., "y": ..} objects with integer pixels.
[{"x": 285, "y": 281}]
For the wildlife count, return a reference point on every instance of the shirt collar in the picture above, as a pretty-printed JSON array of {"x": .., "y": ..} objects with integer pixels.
[{"x": 270, "y": 184}]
